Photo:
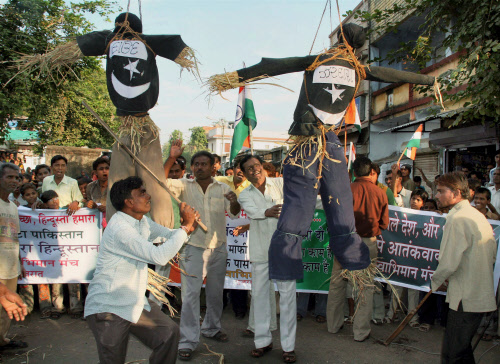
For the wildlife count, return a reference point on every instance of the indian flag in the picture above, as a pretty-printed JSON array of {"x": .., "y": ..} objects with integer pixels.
[
  {"x": 352, "y": 158},
  {"x": 352, "y": 116},
  {"x": 414, "y": 143},
  {"x": 245, "y": 116}
]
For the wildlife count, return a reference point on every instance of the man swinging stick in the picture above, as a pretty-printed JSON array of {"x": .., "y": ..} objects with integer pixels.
[
  {"x": 133, "y": 86},
  {"x": 317, "y": 160}
]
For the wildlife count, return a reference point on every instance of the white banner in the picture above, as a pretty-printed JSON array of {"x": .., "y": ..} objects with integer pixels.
[
  {"x": 57, "y": 248},
  {"x": 238, "y": 266}
]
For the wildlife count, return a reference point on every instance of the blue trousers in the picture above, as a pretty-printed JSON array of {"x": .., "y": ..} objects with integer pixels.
[{"x": 301, "y": 186}]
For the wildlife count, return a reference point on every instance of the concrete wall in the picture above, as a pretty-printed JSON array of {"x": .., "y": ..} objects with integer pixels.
[{"x": 78, "y": 158}]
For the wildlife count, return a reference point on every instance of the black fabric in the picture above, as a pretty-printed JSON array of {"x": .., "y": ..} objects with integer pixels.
[
  {"x": 134, "y": 22},
  {"x": 460, "y": 330},
  {"x": 131, "y": 70},
  {"x": 354, "y": 35},
  {"x": 332, "y": 98}
]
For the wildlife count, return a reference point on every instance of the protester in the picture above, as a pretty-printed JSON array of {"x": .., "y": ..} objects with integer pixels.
[
  {"x": 473, "y": 185},
  {"x": 418, "y": 182},
  {"x": 116, "y": 304},
  {"x": 97, "y": 190},
  {"x": 465, "y": 269},
  {"x": 482, "y": 199},
  {"x": 206, "y": 253},
  {"x": 83, "y": 182},
  {"x": 229, "y": 171},
  {"x": 10, "y": 266},
  {"x": 41, "y": 171},
  {"x": 430, "y": 205},
  {"x": 237, "y": 182},
  {"x": 407, "y": 182},
  {"x": 16, "y": 196},
  {"x": 217, "y": 165},
  {"x": 262, "y": 203},
  {"x": 401, "y": 194},
  {"x": 495, "y": 189},
  {"x": 66, "y": 187},
  {"x": 371, "y": 214},
  {"x": 430, "y": 184},
  {"x": 497, "y": 166}
]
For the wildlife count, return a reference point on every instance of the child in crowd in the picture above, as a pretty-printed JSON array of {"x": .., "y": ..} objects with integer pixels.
[
  {"x": 15, "y": 196},
  {"x": 82, "y": 185},
  {"x": 30, "y": 195},
  {"x": 418, "y": 182},
  {"x": 430, "y": 205},
  {"x": 41, "y": 171},
  {"x": 482, "y": 198}
]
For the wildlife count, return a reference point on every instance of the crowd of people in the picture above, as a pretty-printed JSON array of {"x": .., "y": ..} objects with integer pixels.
[{"x": 116, "y": 304}]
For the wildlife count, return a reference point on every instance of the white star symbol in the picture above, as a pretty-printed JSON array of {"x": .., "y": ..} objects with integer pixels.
[
  {"x": 335, "y": 93},
  {"x": 132, "y": 67}
]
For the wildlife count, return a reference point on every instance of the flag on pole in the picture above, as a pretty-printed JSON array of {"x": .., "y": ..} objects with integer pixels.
[
  {"x": 352, "y": 158},
  {"x": 414, "y": 143},
  {"x": 245, "y": 116},
  {"x": 352, "y": 116}
]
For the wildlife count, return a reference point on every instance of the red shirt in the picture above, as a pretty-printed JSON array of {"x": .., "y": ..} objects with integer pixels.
[{"x": 371, "y": 211}]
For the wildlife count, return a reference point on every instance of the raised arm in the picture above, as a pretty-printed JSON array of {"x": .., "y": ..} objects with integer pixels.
[
  {"x": 176, "y": 150},
  {"x": 384, "y": 74}
]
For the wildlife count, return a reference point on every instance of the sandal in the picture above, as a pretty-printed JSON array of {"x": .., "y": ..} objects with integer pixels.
[
  {"x": 320, "y": 319},
  {"x": 414, "y": 325},
  {"x": 299, "y": 317},
  {"x": 248, "y": 333},
  {"x": 257, "y": 353},
  {"x": 424, "y": 327},
  {"x": 387, "y": 320},
  {"x": 349, "y": 320},
  {"x": 289, "y": 356},
  {"x": 45, "y": 315},
  {"x": 14, "y": 344},
  {"x": 76, "y": 315},
  {"x": 185, "y": 354},
  {"x": 220, "y": 337},
  {"x": 55, "y": 315}
]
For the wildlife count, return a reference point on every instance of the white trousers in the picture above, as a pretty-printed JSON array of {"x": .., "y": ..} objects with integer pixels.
[
  {"x": 272, "y": 302},
  {"x": 261, "y": 295}
]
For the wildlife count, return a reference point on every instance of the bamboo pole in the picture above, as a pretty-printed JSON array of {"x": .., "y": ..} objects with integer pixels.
[
  {"x": 402, "y": 154},
  {"x": 134, "y": 157},
  {"x": 407, "y": 319}
]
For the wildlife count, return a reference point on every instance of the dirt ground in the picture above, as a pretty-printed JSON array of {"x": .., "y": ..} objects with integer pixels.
[{"x": 70, "y": 341}]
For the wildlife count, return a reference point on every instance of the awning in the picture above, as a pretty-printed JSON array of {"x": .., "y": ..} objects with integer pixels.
[
  {"x": 471, "y": 136},
  {"x": 436, "y": 117}
]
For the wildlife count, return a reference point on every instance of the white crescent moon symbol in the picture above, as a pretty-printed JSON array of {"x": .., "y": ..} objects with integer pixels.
[{"x": 129, "y": 92}]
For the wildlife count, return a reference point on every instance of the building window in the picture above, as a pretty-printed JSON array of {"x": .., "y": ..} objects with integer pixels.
[{"x": 227, "y": 147}]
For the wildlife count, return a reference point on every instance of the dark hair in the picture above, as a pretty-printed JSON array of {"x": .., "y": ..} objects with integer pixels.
[
  {"x": 27, "y": 176},
  {"x": 473, "y": 184},
  {"x": 420, "y": 192},
  {"x": 39, "y": 167},
  {"x": 406, "y": 166},
  {"x": 237, "y": 162},
  {"x": 247, "y": 157},
  {"x": 122, "y": 190},
  {"x": 181, "y": 162},
  {"x": 455, "y": 181},
  {"x": 228, "y": 169},
  {"x": 269, "y": 168},
  {"x": 58, "y": 158},
  {"x": 203, "y": 153},
  {"x": 484, "y": 190},
  {"x": 216, "y": 158},
  {"x": 417, "y": 179},
  {"x": 100, "y": 160},
  {"x": 497, "y": 153},
  {"x": 362, "y": 166},
  {"x": 388, "y": 172},
  {"x": 7, "y": 165},
  {"x": 376, "y": 168},
  {"x": 48, "y": 195},
  {"x": 432, "y": 201},
  {"x": 26, "y": 187},
  {"x": 477, "y": 173},
  {"x": 83, "y": 180}
]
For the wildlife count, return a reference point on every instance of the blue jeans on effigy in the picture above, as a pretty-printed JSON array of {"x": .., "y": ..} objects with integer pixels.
[{"x": 300, "y": 189}]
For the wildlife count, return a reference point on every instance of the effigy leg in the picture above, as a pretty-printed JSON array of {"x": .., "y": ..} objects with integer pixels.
[
  {"x": 336, "y": 195},
  {"x": 300, "y": 192}
]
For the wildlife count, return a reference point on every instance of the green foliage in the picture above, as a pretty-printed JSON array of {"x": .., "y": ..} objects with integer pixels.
[
  {"x": 470, "y": 27},
  {"x": 175, "y": 135},
  {"x": 34, "y": 27}
]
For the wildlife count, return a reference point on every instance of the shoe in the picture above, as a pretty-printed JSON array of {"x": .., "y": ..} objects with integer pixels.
[
  {"x": 366, "y": 338},
  {"x": 378, "y": 321},
  {"x": 185, "y": 354}
]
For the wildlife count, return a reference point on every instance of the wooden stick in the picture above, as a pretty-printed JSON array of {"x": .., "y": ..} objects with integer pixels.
[
  {"x": 402, "y": 154},
  {"x": 134, "y": 157},
  {"x": 407, "y": 319}
]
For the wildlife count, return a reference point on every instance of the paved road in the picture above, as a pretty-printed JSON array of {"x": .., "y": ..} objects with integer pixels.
[{"x": 70, "y": 341}]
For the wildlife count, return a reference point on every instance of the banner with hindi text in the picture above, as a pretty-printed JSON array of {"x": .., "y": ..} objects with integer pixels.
[{"x": 57, "y": 248}]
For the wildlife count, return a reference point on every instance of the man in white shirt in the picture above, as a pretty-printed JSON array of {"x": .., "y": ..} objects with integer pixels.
[
  {"x": 116, "y": 304},
  {"x": 262, "y": 203},
  {"x": 465, "y": 270},
  {"x": 401, "y": 194},
  {"x": 497, "y": 166},
  {"x": 495, "y": 189},
  {"x": 206, "y": 253}
]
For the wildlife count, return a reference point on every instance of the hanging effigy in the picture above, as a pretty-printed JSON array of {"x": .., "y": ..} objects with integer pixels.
[{"x": 316, "y": 161}]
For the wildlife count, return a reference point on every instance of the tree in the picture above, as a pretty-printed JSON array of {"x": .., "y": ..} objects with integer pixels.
[
  {"x": 198, "y": 140},
  {"x": 175, "y": 135},
  {"x": 470, "y": 27},
  {"x": 52, "y": 100}
]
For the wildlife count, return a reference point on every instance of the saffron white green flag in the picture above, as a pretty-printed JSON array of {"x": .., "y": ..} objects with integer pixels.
[
  {"x": 245, "y": 116},
  {"x": 414, "y": 143},
  {"x": 352, "y": 158},
  {"x": 352, "y": 116}
]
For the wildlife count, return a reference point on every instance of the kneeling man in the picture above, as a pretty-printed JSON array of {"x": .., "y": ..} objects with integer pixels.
[{"x": 116, "y": 304}]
